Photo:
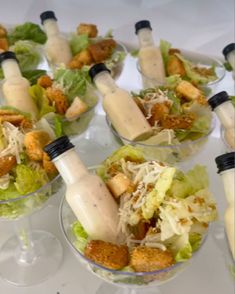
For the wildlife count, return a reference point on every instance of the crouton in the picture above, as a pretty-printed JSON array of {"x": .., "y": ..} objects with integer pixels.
[
  {"x": 34, "y": 142},
  {"x": 48, "y": 165},
  {"x": 6, "y": 164},
  {"x": 57, "y": 98},
  {"x": 88, "y": 29},
  {"x": 118, "y": 184},
  {"x": 76, "y": 109},
  {"x": 146, "y": 259},
  {"x": 4, "y": 44},
  {"x": 45, "y": 81},
  {"x": 177, "y": 121},
  {"x": 102, "y": 50},
  {"x": 188, "y": 91},
  {"x": 175, "y": 66},
  {"x": 158, "y": 111},
  {"x": 107, "y": 254},
  {"x": 79, "y": 60},
  {"x": 3, "y": 31}
]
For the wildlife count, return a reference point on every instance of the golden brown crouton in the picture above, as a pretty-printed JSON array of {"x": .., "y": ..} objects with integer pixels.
[
  {"x": 6, "y": 164},
  {"x": 107, "y": 254},
  {"x": 57, "y": 98},
  {"x": 88, "y": 29},
  {"x": 102, "y": 50},
  {"x": 158, "y": 111},
  {"x": 3, "y": 31},
  {"x": 45, "y": 81},
  {"x": 13, "y": 117},
  {"x": 4, "y": 44},
  {"x": 177, "y": 121},
  {"x": 188, "y": 91},
  {"x": 76, "y": 109},
  {"x": 175, "y": 66},
  {"x": 146, "y": 259},
  {"x": 172, "y": 51},
  {"x": 48, "y": 165},
  {"x": 34, "y": 142},
  {"x": 118, "y": 184},
  {"x": 79, "y": 60}
]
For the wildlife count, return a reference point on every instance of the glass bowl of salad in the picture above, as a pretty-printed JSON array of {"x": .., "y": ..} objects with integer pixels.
[
  {"x": 66, "y": 102},
  {"x": 180, "y": 118},
  {"x": 163, "y": 221},
  {"x": 27, "y": 180},
  {"x": 201, "y": 70}
]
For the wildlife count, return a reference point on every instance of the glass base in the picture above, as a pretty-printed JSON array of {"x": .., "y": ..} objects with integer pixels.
[
  {"x": 107, "y": 288},
  {"x": 47, "y": 257}
]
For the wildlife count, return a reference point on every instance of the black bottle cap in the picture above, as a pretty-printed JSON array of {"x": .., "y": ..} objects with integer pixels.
[
  {"x": 47, "y": 15},
  {"x": 7, "y": 55},
  {"x": 97, "y": 68},
  {"x": 227, "y": 49},
  {"x": 58, "y": 146},
  {"x": 225, "y": 161},
  {"x": 218, "y": 99},
  {"x": 142, "y": 24}
]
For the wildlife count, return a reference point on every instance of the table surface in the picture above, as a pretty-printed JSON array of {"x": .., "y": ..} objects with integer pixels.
[{"x": 202, "y": 26}]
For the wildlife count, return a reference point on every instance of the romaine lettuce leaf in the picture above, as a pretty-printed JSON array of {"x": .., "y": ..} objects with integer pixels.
[
  {"x": 184, "y": 185},
  {"x": 27, "y": 31},
  {"x": 195, "y": 240},
  {"x": 80, "y": 235},
  {"x": 38, "y": 94},
  {"x": 33, "y": 75},
  {"x": 58, "y": 126},
  {"x": 78, "y": 43},
  {"x": 27, "y": 54},
  {"x": 164, "y": 47}
]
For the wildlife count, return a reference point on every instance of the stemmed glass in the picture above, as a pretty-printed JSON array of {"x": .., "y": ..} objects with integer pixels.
[
  {"x": 30, "y": 256},
  {"x": 122, "y": 282}
]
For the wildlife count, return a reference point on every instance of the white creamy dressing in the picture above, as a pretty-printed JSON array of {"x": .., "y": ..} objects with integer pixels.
[
  {"x": 226, "y": 114},
  {"x": 57, "y": 47},
  {"x": 15, "y": 88},
  {"x": 125, "y": 115},
  {"x": 228, "y": 178},
  {"x": 150, "y": 60},
  {"x": 89, "y": 198}
]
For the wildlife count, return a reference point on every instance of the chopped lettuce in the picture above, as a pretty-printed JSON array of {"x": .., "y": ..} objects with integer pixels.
[
  {"x": 116, "y": 57},
  {"x": 78, "y": 43},
  {"x": 193, "y": 75},
  {"x": 186, "y": 184},
  {"x": 176, "y": 106},
  {"x": 80, "y": 235},
  {"x": 27, "y": 54},
  {"x": 155, "y": 198},
  {"x": 33, "y": 75},
  {"x": 233, "y": 100},
  {"x": 38, "y": 94},
  {"x": 58, "y": 126},
  {"x": 173, "y": 81},
  {"x": 195, "y": 240},
  {"x": 73, "y": 82},
  {"x": 27, "y": 31},
  {"x": 29, "y": 180},
  {"x": 164, "y": 47}
]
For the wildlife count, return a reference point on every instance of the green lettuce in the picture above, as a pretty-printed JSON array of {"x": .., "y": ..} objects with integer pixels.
[
  {"x": 173, "y": 81},
  {"x": 73, "y": 82},
  {"x": 27, "y": 31},
  {"x": 33, "y": 75},
  {"x": 29, "y": 180},
  {"x": 38, "y": 94},
  {"x": 80, "y": 235},
  {"x": 116, "y": 57},
  {"x": 194, "y": 76},
  {"x": 58, "y": 126},
  {"x": 176, "y": 106},
  {"x": 78, "y": 43},
  {"x": 186, "y": 184},
  {"x": 164, "y": 47},
  {"x": 195, "y": 240},
  {"x": 27, "y": 54},
  {"x": 233, "y": 100}
]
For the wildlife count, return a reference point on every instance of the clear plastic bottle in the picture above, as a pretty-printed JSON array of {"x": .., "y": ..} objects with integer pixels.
[
  {"x": 15, "y": 87},
  {"x": 150, "y": 59},
  {"x": 57, "y": 47},
  {"x": 221, "y": 104},
  {"x": 86, "y": 193},
  {"x": 229, "y": 55},
  {"x": 125, "y": 115},
  {"x": 226, "y": 169}
]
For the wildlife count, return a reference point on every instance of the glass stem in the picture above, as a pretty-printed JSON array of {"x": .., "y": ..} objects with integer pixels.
[{"x": 25, "y": 254}]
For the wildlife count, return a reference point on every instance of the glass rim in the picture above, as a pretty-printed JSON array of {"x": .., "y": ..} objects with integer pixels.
[
  {"x": 174, "y": 146},
  {"x": 120, "y": 272},
  {"x": 31, "y": 193},
  {"x": 219, "y": 64}
]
